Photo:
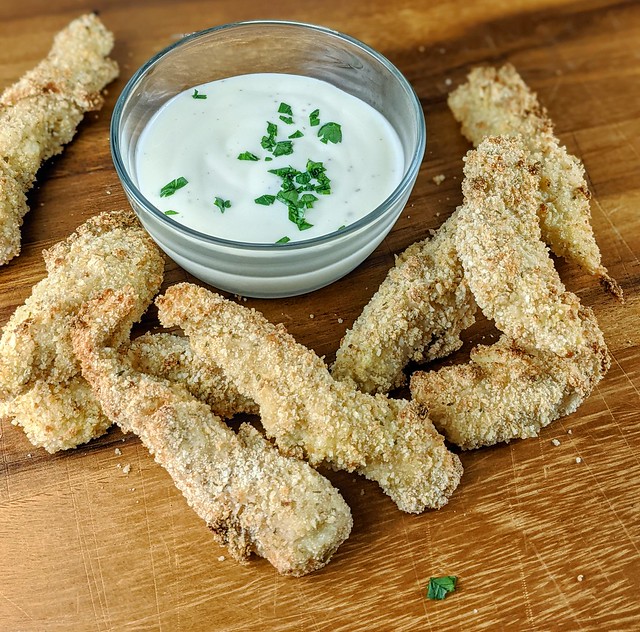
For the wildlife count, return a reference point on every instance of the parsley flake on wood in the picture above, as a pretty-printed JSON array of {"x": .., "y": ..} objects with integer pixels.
[
  {"x": 330, "y": 132},
  {"x": 198, "y": 95},
  {"x": 171, "y": 187},
  {"x": 247, "y": 155},
  {"x": 440, "y": 587},
  {"x": 223, "y": 205}
]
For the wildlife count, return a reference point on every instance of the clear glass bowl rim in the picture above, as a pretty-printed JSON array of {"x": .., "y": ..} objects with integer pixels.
[{"x": 131, "y": 189}]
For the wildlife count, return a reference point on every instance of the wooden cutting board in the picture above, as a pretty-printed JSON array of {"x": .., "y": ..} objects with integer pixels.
[{"x": 538, "y": 540}]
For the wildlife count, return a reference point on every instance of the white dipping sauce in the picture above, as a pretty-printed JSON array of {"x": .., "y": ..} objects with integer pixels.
[{"x": 200, "y": 139}]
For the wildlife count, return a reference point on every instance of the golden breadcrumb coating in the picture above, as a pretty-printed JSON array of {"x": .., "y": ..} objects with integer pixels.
[
  {"x": 252, "y": 498},
  {"x": 170, "y": 357},
  {"x": 506, "y": 265},
  {"x": 57, "y": 415},
  {"x": 553, "y": 353},
  {"x": 417, "y": 314},
  {"x": 40, "y": 113},
  {"x": 497, "y": 102},
  {"x": 306, "y": 411},
  {"x": 110, "y": 250},
  {"x": 506, "y": 393}
]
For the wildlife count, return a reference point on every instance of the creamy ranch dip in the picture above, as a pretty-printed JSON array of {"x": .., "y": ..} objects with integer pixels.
[{"x": 208, "y": 157}]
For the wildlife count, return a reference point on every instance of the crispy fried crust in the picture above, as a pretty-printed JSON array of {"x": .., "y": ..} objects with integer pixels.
[
  {"x": 417, "y": 314},
  {"x": 170, "y": 357},
  {"x": 505, "y": 263},
  {"x": 506, "y": 393},
  {"x": 39, "y": 115},
  {"x": 497, "y": 102},
  {"x": 252, "y": 498},
  {"x": 110, "y": 250},
  {"x": 553, "y": 353},
  {"x": 306, "y": 411}
]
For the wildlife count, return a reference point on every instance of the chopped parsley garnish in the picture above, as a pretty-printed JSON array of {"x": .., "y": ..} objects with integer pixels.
[
  {"x": 171, "y": 187},
  {"x": 286, "y": 119},
  {"x": 283, "y": 240},
  {"x": 285, "y": 108},
  {"x": 283, "y": 148},
  {"x": 342, "y": 227},
  {"x": 296, "y": 134},
  {"x": 268, "y": 142},
  {"x": 170, "y": 212},
  {"x": 198, "y": 95},
  {"x": 223, "y": 205},
  {"x": 247, "y": 155},
  {"x": 268, "y": 159},
  {"x": 440, "y": 587},
  {"x": 265, "y": 200},
  {"x": 314, "y": 118},
  {"x": 330, "y": 132}
]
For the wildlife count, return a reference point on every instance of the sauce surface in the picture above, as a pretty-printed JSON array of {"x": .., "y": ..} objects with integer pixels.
[{"x": 188, "y": 158}]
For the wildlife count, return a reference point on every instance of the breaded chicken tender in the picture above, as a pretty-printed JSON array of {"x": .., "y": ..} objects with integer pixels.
[
  {"x": 307, "y": 412},
  {"x": 417, "y": 314},
  {"x": 252, "y": 498},
  {"x": 110, "y": 250},
  {"x": 170, "y": 357},
  {"x": 497, "y": 102},
  {"x": 40, "y": 113},
  {"x": 553, "y": 353},
  {"x": 506, "y": 393},
  {"x": 505, "y": 263}
]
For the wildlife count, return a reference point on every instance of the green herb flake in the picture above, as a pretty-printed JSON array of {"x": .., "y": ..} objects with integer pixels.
[
  {"x": 440, "y": 587},
  {"x": 283, "y": 148},
  {"x": 330, "y": 132},
  {"x": 198, "y": 95},
  {"x": 296, "y": 215},
  {"x": 296, "y": 134},
  {"x": 342, "y": 227},
  {"x": 223, "y": 205},
  {"x": 286, "y": 119},
  {"x": 314, "y": 118},
  {"x": 283, "y": 240},
  {"x": 268, "y": 159},
  {"x": 170, "y": 212},
  {"x": 285, "y": 108},
  {"x": 171, "y": 187},
  {"x": 247, "y": 155},
  {"x": 265, "y": 200}
]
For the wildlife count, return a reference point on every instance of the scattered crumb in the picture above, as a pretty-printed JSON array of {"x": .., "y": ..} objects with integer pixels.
[
  {"x": 118, "y": 451},
  {"x": 311, "y": 316},
  {"x": 569, "y": 431},
  {"x": 126, "y": 469},
  {"x": 132, "y": 489},
  {"x": 555, "y": 442},
  {"x": 442, "y": 51},
  {"x": 108, "y": 192},
  {"x": 447, "y": 82},
  {"x": 29, "y": 455},
  {"x": 221, "y": 558},
  {"x": 340, "y": 321},
  {"x": 475, "y": 611},
  {"x": 362, "y": 492},
  {"x": 119, "y": 465},
  {"x": 580, "y": 578},
  {"x": 421, "y": 48},
  {"x": 578, "y": 459},
  {"x": 439, "y": 179},
  {"x": 408, "y": 216},
  {"x": 438, "y": 214}
]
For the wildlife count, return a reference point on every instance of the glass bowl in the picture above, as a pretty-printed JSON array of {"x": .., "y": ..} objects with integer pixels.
[{"x": 254, "y": 269}]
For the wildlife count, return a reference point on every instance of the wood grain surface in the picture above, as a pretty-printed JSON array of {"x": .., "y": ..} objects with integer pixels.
[{"x": 538, "y": 540}]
